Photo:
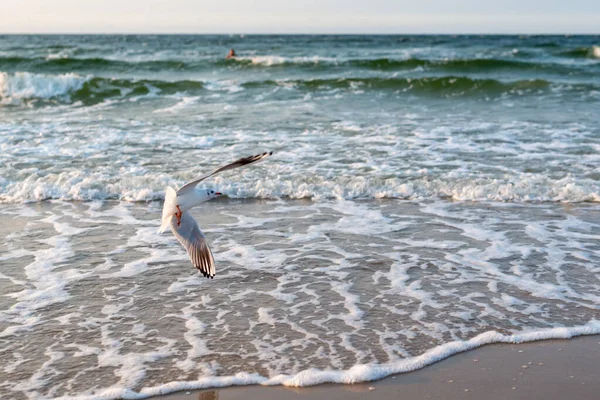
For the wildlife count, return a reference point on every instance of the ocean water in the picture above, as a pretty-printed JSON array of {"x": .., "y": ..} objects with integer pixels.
[{"x": 427, "y": 195}]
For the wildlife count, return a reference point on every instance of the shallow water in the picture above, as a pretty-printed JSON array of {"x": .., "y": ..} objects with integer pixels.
[{"x": 96, "y": 302}]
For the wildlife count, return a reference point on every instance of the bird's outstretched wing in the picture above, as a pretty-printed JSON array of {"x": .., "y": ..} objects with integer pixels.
[
  {"x": 236, "y": 164},
  {"x": 191, "y": 237}
]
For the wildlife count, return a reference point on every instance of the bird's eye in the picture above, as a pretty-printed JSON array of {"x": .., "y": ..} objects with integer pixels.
[{"x": 212, "y": 191}]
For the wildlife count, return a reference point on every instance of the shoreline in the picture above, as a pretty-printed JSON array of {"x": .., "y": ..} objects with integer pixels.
[
  {"x": 305, "y": 290},
  {"x": 544, "y": 369}
]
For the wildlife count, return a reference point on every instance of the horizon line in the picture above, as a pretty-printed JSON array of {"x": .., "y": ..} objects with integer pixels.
[{"x": 311, "y": 34}]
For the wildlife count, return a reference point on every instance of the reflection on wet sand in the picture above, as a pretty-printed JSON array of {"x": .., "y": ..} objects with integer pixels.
[{"x": 209, "y": 395}]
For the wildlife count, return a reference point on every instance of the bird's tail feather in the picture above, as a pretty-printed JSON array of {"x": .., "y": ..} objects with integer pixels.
[{"x": 169, "y": 209}]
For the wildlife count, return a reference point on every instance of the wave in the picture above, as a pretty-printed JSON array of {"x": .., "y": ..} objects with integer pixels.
[
  {"x": 68, "y": 64},
  {"x": 446, "y": 85},
  {"x": 72, "y": 87},
  {"x": 97, "y": 89},
  {"x": 60, "y": 64},
  {"x": 90, "y": 90},
  {"x": 275, "y": 60},
  {"x": 91, "y": 186},
  {"x": 583, "y": 52},
  {"x": 25, "y": 85},
  {"x": 76, "y": 64},
  {"x": 459, "y": 65},
  {"x": 466, "y": 65}
]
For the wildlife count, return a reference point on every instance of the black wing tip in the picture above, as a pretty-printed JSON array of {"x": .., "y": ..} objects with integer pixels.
[
  {"x": 262, "y": 155},
  {"x": 254, "y": 158},
  {"x": 206, "y": 274}
]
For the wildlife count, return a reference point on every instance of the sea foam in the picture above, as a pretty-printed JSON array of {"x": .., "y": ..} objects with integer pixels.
[
  {"x": 26, "y": 85},
  {"x": 280, "y": 60},
  {"x": 355, "y": 374},
  {"x": 88, "y": 186}
]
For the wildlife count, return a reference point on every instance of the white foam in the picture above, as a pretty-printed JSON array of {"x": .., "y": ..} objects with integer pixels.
[
  {"x": 426, "y": 164},
  {"x": 355, "y": 374},
  {"x": 193, "y": 336},
  {"x": 84, "y": 350},
  {"x": 46, "y": 286},
  {"x": 60, "y": 55},
  {"x": 227, "y": 85},
  {"x": 131, "y": 365},
  {"x": 181, "y": 104},
  {"x": 264, "y": 317},
  {"x": 536, "y": 189},
  {"x": 365, "y": 373},
  {"x": 18, "y": 360},
  {"x": 39, "y": 378},
  {"x": 360, "y": 219},
  {"x": 264, "y": 60},
  {"x": 65, "y": 319},
  {"x": 26, "y": 85},
  {"x": 185, "y": 284},
  {"x": 278, "y": 60}
]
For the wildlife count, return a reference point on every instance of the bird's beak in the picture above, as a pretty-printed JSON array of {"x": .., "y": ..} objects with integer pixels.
[{"x": 218, "y": 194}]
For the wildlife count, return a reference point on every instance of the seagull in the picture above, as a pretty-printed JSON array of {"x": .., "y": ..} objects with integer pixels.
[{"x": 184, "y": 226}]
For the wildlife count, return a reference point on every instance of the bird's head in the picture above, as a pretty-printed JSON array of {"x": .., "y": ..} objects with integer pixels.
[{"x": 212, "y": 194}]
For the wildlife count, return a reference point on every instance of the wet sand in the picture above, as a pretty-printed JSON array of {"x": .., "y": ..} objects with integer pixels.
[{"x": 549, "y": 369}]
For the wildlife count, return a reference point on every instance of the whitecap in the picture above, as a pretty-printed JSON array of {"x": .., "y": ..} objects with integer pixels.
[{"x": 27, "y": 85}]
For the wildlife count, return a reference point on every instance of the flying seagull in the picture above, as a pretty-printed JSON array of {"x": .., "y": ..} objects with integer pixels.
[{"x": 184, "y": 226}]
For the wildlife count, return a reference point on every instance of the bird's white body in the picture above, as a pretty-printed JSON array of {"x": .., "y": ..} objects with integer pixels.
[
  {"x": 175, "y": 203},
  {"x": 193, "y": 198},
  {"x": 175, "y": 215}
]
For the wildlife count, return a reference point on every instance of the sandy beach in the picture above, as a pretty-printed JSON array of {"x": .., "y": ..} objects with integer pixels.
[{"x": 550, "y": 369}]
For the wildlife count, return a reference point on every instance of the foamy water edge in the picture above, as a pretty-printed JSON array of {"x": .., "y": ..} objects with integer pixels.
[{"x": 357, "y": 373}]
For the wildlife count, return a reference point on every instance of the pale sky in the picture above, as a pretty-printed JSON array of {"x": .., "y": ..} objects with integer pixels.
[{"x": 299, "y": 16}]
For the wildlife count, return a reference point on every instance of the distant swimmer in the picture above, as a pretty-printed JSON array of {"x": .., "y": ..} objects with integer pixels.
[{"x": 231, "y": 54}]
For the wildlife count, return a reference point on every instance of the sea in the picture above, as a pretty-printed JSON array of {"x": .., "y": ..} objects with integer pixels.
[{"x": 426, "y": 195}]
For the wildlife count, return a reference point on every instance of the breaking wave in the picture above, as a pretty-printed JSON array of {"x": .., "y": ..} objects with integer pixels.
[
  {"x": 433, "y": 85},
  {"x": 61, "y": 64},
  {"x": 54, "y": 64},
  {"x": 72, "y": 87},
  {"x": 25, "y": 85},
  {"x": 583, "y": 52},
  {"x": 89, "y": 185}
]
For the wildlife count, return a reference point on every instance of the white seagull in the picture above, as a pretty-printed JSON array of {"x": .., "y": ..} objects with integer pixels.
[{"x": 184, "y": 226}]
